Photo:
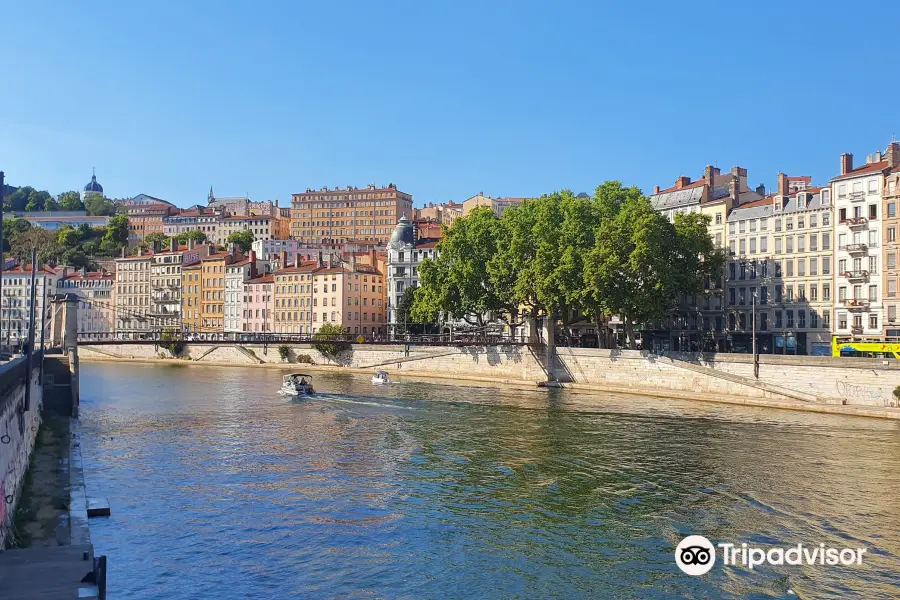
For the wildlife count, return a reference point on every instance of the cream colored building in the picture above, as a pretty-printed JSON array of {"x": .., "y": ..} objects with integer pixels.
[
  {"x": 133, "y": 293},
  {"x": 890, "y": 246},
  {"x": 96, "y": 291},
  {"x": 341, "y": 215},
  {"x": 857, "y": 194},
  {"x": 260, "y": 226}
]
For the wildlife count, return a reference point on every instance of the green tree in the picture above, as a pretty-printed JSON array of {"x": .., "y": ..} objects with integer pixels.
[
  {"x": 631, "y": 270},
  {"x": 244, "y": 239},
  {"x": 456, "y": 282},
  {"x": 117, "y": 229},
  {"x": 11, "y": 228},
  {"x": 330, "y": 340},
  {"x": 162, "y": 238},
  {"x": 38, "y": 201},
  {"x": 68, "y": 236},
  {"x": 96, "y": 205},
  {"x": 70, "y": 201},
  {"x": 48, "y": 249},
  {"x": 18, "y": 199},
  {"x": 194, "y": 234}
]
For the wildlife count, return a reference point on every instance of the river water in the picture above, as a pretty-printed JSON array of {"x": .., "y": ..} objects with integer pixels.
[{"x": 220, "y": 488}]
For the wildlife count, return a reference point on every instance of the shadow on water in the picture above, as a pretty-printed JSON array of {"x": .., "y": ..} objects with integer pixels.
[{"x": 423, "y": 490}]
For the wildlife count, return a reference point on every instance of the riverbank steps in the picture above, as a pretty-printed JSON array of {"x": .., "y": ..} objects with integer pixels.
[{"x": 819, "y": 384}]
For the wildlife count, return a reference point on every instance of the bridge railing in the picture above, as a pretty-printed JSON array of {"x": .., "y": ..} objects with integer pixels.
[{"x": 456, "y": 339}]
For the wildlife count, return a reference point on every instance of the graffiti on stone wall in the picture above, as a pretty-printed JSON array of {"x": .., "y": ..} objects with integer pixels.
[{"x": 862, "y": 393}]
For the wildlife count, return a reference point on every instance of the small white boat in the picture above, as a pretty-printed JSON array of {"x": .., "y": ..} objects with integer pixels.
[
  {"x": 380, "y": 378},
  {"x": 297, "y": 384}
]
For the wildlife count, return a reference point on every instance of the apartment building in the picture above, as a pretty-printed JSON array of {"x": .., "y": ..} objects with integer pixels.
[
  {"x": 259, "y": 304},
  {"x": 132, "y": 297},
  {"x": 858, "y": 201},
  {"x": 15, "y": 304},
  {"x": 144, "y": 219},
  {"x": 890, "y": 245},
  {"x": 281, "y": 223},
  {"x": 293, "y": 298},
  {"x": 191, "y": 294},
  {"x": 404, "y": 254},
  {"x": 260, "y": 226},
  {"x": 212, "y": 290},
  {"x": 340, "y": 215},
  {"x": 96, "y": 291},
  {"x": 443, "y": 214},
  {"x": 236, "y": 275},
  {"x": 698, "y": 321},
  {"x": 350, "y": 297},
  {"x": 272, "y": 248},
  {"x": 198, "y": 219}
]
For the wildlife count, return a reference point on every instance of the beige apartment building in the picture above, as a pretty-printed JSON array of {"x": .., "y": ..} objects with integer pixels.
[
  {"x": 350, "y": 297},
  {"x": 443, "y": 214},
  {"x": 293, "y": 299},
  {"x": 261, "y": 226},
  {"x": 340, "y": 215},
  {"x": 96, "y": 291},
  {"x": 133, "y": 293},
  {"x": 890, "y": 245}
]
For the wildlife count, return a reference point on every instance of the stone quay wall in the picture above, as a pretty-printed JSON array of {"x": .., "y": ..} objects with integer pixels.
[
  {"x": 18, "y": 431},
  {"x": 822, "y": 380}
]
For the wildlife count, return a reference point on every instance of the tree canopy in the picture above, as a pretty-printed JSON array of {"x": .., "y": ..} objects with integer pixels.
[
  {"x": 244, "y": 239},
  {"x": 568, "y": 259},
  {"x": 96, "y": 205}
]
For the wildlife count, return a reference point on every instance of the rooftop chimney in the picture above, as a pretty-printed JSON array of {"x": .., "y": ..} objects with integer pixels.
[
  {"x": 655, "y": 189},
  {"x": 284, "y": 259},
  {"x": 319, "y": 261},
  {"x": 846, "y": 163},
  {"x": 190, "y": 243},
  {"x": 734, "y": 190},
  {"x": 140, "y": 251},
  {"x": 681, "y": 181},
  {"x": 173, "y": 243},
  {"x": 892, "y": 155},
  {"x": 761, "y": 189},
  {"x": 878, "y": 156},
  {"x": 252, "y": 264},
  {"x": 709, "y": 175},
  {"x": 123, "y": 252},
  {"x": 783, "y": 189}
]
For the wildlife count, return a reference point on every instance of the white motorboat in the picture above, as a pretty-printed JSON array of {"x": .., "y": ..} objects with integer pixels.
[
  {"x": 297, "y": 384},
  {"x": 380, "y": 378}
]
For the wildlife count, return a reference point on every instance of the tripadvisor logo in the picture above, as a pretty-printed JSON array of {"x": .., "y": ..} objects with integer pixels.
[{"x": 696, "y": 555}]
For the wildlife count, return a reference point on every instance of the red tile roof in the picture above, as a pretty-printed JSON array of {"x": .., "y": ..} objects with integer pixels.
[
  {"x": 97, "y": 275},
  {"x": 865, "y": 169},
  {"x": 760, "y": 202},
  {"x": 427, "y": 243},
  {"x": 20, "y": 269},
  {"x": 263, "y": 279},
  {"x": 692, "y": 184},
  {"x": 806, "y": 178}
]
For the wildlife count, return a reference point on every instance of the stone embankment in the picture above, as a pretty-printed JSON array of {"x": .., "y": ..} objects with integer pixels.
[{"x": 822, "y": 384}]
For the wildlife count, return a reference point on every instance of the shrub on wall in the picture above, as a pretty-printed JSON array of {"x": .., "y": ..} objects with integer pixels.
[
  {"x": 284, "y": 352},
  {"x": 172, "y": 342},
  {"x": 305, "y": 359},
  {"x": 330, "y": 340}
]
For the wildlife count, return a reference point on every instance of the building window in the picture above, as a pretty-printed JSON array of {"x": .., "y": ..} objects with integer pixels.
[
  {"x": 778, "y": 245},
  {"x": 813, "y": 245},
  {"x": 718, "y": 218},
  {"x": 892, "y": 234},
  {"x": 873, "y": 321},
  {"x": 752, "y": 244},
  {"x": 777, "y": 319},
  {"x": 764, "y": 243},
  {"x": 892, "y": 288},
  {"x": 842, "y": 320},
  {"x": 777, "y": 224},
  {"x": 813, "y": 292},
  {"x": 873, "y": 293},
  {"x": 892, "y": 210}
]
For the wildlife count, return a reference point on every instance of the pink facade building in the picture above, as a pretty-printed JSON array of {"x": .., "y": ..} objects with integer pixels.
[{"x": 259, "y": 300}]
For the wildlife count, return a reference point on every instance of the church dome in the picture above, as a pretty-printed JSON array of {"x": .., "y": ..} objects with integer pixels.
[
  {"x": 402, "y": 235},
  {"x": 93, "y": 187}
]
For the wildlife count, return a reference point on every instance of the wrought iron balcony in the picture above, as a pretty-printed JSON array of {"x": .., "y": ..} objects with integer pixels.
[
  {"x": 855, "y": 303},
  {"x": 855, "y": 222},
  {"x": 857, "y": 196},
  {"x": 861, "y": 275},
  {"x": 856, "y": 330},
  {"x": 856, "y": 248}
]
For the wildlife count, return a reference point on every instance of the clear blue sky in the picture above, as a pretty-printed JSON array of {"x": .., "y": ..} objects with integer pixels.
[{"x": 444, "y": 99}]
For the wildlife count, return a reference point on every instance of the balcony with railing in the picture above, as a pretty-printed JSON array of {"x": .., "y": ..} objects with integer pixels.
[
  {"x": 857, "y": 196},
  {"x": 857, "y": 275},
  {"x": 856, "y": 330},
  {"x": 855, "y": 303},
  {"x": 855, "y": 248},
  {"x": 855, "y": 222}
]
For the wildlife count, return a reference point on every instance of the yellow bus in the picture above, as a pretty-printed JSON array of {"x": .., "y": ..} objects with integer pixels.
[{"x": 870, "y": 348}]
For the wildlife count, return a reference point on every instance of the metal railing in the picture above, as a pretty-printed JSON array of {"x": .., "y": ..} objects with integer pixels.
[{"x": 445, "y": 339}]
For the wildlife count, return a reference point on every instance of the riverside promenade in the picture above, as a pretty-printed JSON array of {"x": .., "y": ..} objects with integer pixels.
[{"x": 852, "y": 386}]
